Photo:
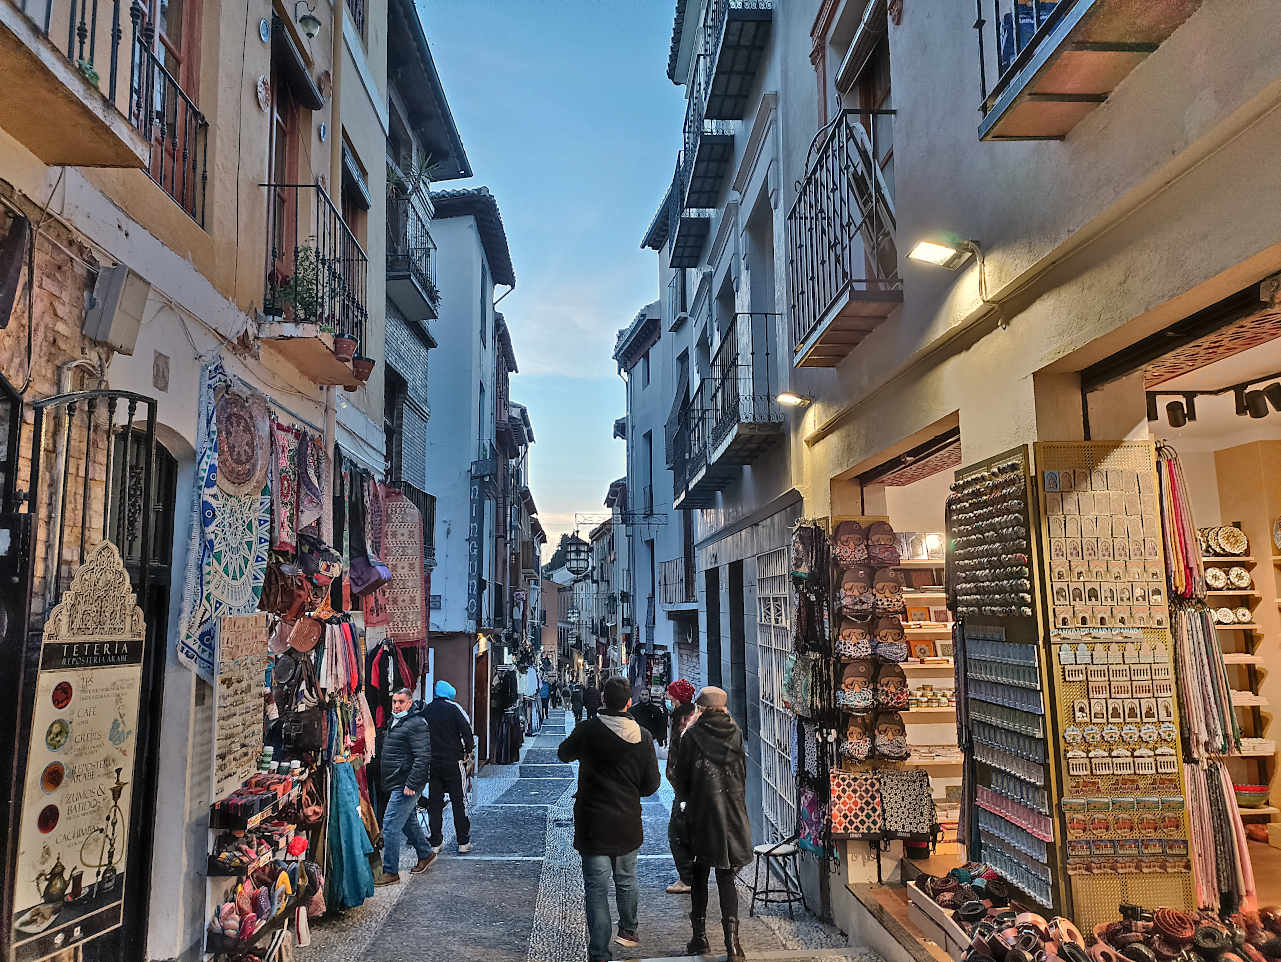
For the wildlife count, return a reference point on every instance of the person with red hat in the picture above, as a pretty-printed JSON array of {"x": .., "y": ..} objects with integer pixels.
[{"x": 681, "y": 692}]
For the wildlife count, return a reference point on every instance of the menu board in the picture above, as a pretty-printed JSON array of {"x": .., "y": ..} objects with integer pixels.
[
  {"x": 238, "y": 700},
  {"x": 73, "y": 830}
]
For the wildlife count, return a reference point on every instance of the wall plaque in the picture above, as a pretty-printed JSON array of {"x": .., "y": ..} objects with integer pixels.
[
  {"x": 238, "y": 700},
  {"x": 73, "y": 829}
]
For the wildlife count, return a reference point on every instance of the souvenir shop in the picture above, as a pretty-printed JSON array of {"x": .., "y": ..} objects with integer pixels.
[
  {"x": 305, "y": 611},
  {"x": 1112, "y": 606}
]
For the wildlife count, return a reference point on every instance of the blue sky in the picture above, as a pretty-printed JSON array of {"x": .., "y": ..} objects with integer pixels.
[{"x": 567, "y": 115}]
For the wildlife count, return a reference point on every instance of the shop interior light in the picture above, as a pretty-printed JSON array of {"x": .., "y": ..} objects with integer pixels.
[
  {"x": 933, "y": 541},
  {"x": 946, "y": 251},
  {"x": 1175, "y": 414},
  {"x": 1256, "y": 403},
  {"x": 791, "y": 400},
  {"x": 1273, "y": 393}
]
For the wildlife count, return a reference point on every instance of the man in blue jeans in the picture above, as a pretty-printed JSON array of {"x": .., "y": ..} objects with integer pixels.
[
  {"x": 617, "y": 767},
  {"x": 406, "y": 760}
]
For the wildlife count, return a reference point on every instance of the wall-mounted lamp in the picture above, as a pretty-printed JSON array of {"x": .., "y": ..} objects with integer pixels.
[
  {"x": 308, "y": 22},
  {"x": 943, "y": 250},
  {"x": 788, "y": 399}
]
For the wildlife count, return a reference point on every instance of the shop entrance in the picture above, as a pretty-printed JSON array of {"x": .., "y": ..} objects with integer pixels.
[{"x": 84, "y": 674}]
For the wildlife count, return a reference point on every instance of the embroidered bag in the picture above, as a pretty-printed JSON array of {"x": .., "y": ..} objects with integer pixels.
[
  {"x": 882, "y": 547},
  {"x": 856, "y": 692},
  {"x": 855, "y": 598},
  {"x": 812, "y": 816},
  {"x": 849, "y": 546},
  {"x": 906, "y": 802},
  {"x": 799, "y": 685},
  {"x": 856, "y": 805},
  {"x": 854, "y": 639}
]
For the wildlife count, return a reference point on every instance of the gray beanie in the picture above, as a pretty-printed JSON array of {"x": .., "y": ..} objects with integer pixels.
[{"x": 712, "y": 697}]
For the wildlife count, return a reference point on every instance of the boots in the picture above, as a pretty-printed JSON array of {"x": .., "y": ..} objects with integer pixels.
[
  {"x": 733, "y": 948},
  {"x": 698, "y": 944}
]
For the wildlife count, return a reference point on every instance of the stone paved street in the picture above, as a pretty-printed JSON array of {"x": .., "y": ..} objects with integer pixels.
[{"x": 519, "y": 894}]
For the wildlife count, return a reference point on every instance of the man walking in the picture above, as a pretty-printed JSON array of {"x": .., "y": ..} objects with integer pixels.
[
  {"x": 576, "y": 701},
  {"x": 451, "y": 742},
  {"x": 617, "y": 768},
  {"x": 591, "y": 698},
  {"x": 406, "y": 760}
]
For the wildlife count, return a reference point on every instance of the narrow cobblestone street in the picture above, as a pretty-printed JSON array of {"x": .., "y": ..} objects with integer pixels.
[{"x": 519, "y": 894}]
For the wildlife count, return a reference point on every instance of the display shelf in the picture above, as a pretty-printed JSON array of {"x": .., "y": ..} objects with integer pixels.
[
  {"x": 935, "y": 762},
  {"x": 935, "y": 596},
  {"x": 1246, "y": 627},
  {"x": 914, "y": 714},
  {"x": 222, "y": 821},
  {"x": 1248, "y": 699},
  {"x": 1244, "y": 593},
  {"x": 916, "y": 563},
  {"x": 938, "y": 631},
  {"x": 938, "y": 664},
  {"x": 1241, "y": 658},
  {"x": 1266, "y": 750},
  {"x": 1229, "y": 559},
  {"x": 1261, "y": 810}
]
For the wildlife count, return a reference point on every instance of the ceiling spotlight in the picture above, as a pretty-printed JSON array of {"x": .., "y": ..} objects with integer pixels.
[
  {"x": 1176, "y": 415},
  {"x": 1256, "y": 403},
  {"x": 791, "y": 400},
  {"x": 947, "y": 251},
  {"x": 1273, "y": 393}
]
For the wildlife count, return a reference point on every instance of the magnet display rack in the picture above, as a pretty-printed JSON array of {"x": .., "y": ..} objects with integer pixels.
[
  {"x": 1003, "y": 709},
  {"x": 1122, "y": 808}
]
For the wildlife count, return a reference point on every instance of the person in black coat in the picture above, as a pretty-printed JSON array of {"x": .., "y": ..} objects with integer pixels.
[
  {"x": 710, "y": 775},
  {"x": 406, "y": 761},
  {"x": 451, "y": 747},
  {"x": 576, "y": 701},
  {"x": 591, "y": 699},
  {"x": 617, "y": 768}
]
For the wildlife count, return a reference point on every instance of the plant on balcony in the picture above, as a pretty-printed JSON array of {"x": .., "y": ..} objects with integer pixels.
[
  {"x": 298, "y": 297},
  {"x": 345, "y": 346},
  {"x": 362, "y": 367}
]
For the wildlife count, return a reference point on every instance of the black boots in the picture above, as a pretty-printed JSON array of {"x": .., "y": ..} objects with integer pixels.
[
  {"x": 733, "y": 948},
  {"x": 698, "y": 944}
]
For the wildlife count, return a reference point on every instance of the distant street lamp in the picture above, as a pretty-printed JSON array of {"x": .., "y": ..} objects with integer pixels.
[{"x": 577, "y": 555}]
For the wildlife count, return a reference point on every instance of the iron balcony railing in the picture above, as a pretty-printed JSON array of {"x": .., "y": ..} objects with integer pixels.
[
  {"x": 742, "y": 382},
  {"x": 410, "y": 248},
  {"x": 841, "y": 227},
  {"x": 317, "y": 272},
  {"x": 179, "y": 132},
  {"x": 677, "y": 301},
  {"x": 1016, "y": 30},
  {"x": 674, "y": 587},
  {"x": 357, "y": 10}
]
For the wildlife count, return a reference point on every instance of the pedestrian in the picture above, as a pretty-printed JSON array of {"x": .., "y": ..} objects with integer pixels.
[
  {"x": 591, "y": 698},
  {"x": 684, "y": 714},
  {"x": 544, "y": 696},
  {"x": 406, "y": 761},
  {"x": 576, "y": 701},
  {"x": 710, "y": 775},
  {"x": 451, "y": 747},
  {"x": 617, "y": 767}
]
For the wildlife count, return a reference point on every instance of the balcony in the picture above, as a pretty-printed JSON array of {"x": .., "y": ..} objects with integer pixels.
[
  {"x": 676, "y": 585},
  {"x": 695, "y": 481},
  {"x": 736, "y": 39},
  {"x": 1056, "y": 60},
  {"x": 690, "y": 226},
  {"x": 178, "y": 131},
  {"x": 677, "y": 301},
  {"x": 317, "y": 276},
  {"x": 411, "y": 259},
  {"x": 709, "y": 144},
  {"x": 746, "y": 418},
  {"x": 842, "y": 259}
]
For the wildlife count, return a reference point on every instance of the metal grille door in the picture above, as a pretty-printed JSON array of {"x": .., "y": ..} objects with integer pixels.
[{"x": 774, "y": 643}]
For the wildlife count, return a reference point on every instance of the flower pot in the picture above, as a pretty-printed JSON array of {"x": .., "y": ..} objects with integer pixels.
[
  {"x": 351, "y": 388},
  {"x": 362, "y": 367},
  {"x": 344, "y": 347}
]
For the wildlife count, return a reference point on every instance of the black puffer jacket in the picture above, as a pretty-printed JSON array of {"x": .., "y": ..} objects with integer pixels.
[
  {"x": 710, "y": 775},
  {"x": 617, "y": 767},
  {"x": 451, "y": 736},
  {"x": 406, "y": 757}
]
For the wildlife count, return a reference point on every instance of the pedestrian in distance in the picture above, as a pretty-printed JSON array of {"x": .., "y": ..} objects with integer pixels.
[
  {"x": 710, "y": 775},
  {"x": 576, "y": 701},
  {"x": 591, "y": 698},
  {"x": 683, "y": 714},
  {"x": 406, "y": 762},
  {"x": 617, "y": 767},
  {"x": 544, "y": 696},
  {"x": 451, "y": 747}
]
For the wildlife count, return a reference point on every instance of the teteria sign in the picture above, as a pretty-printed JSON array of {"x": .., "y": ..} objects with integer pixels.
[{"x": 74, "y": 823}]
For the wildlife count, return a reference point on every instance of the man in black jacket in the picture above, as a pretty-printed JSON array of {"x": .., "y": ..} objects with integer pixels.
[
  {"x": 451, "y": 747},
  {"x": 406, "y": 760},
  {"x": 617, "y": 768}
]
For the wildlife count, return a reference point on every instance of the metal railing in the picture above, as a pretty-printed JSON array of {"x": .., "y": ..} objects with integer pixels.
[
  {"x": 840, "y": 230},
  {"x": 317, "y": 272},
  {"x": 179, "y": 132},
  {"x": 410, "y": 248},
  {"x": 85, "y": 26},
  {"x": 675, "y": 585},
  {"x": 742, "y": 382},
  {"x": 677, "y": 299},
  {"x": 357, "y": 10},
  {"x": 1017, "y": 28}
]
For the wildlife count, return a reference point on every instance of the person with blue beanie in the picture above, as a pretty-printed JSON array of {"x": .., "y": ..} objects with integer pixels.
[{"x": 451, "y": 747}]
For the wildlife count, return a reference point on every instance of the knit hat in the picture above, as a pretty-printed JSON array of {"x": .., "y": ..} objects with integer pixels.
[
  {"x": 681, "y": 691},
  {"x": 445, "y": 690},
  {"x": 712, "y": 697}
]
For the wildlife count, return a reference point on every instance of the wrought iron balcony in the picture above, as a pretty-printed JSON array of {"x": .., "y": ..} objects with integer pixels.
[
  {"x": 1056, "y": 60},
  {"x": 746, "y": 417},
  {"x": 317, "y": 277},
  {"x": 677, "y": 301},
  {"x": 737, "y": 35},
  {"x": 178, "y": 131},
  {"x": 692, "y": 486},
  {"x": 675, "y": 583},
  {"x": 842, "y": 258},
  {"x": 411, "y": 259},
  {"x": 690, "y": 226},
  {"x": 709, "y": 144}
]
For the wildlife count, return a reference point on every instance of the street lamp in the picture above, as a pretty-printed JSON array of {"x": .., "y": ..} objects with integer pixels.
[
  {"x": 793, "y": 400},
  {"x": 577, "y": 555},
  {"x": 944, "y": 250}
]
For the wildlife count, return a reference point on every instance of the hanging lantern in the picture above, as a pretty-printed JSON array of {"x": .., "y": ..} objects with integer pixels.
[{"x": 577, "y": 555}]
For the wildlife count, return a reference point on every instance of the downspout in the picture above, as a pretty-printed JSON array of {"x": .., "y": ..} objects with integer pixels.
[
  {"x": 58, "y": 478},
  {"x": 335, "y": 182}
]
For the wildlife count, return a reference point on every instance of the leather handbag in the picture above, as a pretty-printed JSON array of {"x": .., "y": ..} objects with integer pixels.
[
  {"x": 367, "y": 574},
  {"x": 303, "y": 730},
  {"x": 319, "y": 562},
  {"x": 306, "y": 634},
  {"x": 311, "y": 808},
  {"x": 284, "y": 590}
]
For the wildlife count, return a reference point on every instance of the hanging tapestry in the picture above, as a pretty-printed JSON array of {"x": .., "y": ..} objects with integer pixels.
[
  {"x": 285, "y": 440},
  {"x": 374, "y": 604},
  {"x": 244, "y": 440},
  {"x": 313, "y": 467},
  {"x": 402, "y": 553},
  {"x": 229, "y": 540}
]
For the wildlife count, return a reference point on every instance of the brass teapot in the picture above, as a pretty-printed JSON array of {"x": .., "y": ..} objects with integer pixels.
[{"x": 54, "y": 882}]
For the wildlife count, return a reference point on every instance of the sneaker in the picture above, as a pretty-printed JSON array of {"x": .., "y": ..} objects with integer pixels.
[
  {"x": 423, "y": 864},
  {"x": 464, "y": 848},
  {"x": 628, "y": 938},
  {"x": 678, "y": 888},
  {"x": 435, "y": 849},
  {"x": 385, "y": 879}
]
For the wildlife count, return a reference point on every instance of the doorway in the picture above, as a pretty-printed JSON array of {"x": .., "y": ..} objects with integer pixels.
[
  {"x": 712, "y": 580},
  {"x": 738, "y": 651}
]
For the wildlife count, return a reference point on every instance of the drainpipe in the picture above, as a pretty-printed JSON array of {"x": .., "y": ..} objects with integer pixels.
[
  {"x": 335, "y": 184},
  {"x": 58, "y": 479}
]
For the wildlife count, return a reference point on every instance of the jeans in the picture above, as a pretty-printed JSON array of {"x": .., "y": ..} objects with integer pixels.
[
  {"x": 401, "y": 819},
  {"x": 597, "y": 870},
  {"x": 447, "y": 778}
]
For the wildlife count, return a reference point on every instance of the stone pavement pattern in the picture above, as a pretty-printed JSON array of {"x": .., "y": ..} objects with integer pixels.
[{"x": 518, "y": 897}]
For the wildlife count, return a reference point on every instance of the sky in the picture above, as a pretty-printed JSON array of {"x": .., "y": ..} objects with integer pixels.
[{"x": 567, "y": 115}]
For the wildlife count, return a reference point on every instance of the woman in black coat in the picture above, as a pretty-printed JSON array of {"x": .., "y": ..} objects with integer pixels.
[{"x": 710, "y": 775}]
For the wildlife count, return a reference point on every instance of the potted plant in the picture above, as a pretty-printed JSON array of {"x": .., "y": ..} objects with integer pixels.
[
  {"x": 362, "y": 367},
  {"x": 344, "y": 346},
  {"x": 299, "y": 296}
]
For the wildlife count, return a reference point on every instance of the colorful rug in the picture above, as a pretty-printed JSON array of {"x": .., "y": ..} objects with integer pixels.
[
  {"x": 374, "y": 604},
  {"x": 229, "y": 542},
  {"x": 402, "y": 553},
  {"x": 285, "y": 439},
  {"x": 313, "y": 469}
]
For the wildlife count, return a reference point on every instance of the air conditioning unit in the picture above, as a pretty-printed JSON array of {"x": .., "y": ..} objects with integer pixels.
[{"x": 116, "y": 307}]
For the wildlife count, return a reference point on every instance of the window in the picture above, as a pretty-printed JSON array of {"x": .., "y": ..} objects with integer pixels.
[
  {"x": 283, "y": 169},
  {"x": 644, "y": 366},
  {"x": 873, "y": 91},
  {"x": 395, "y": 392},
  {"x": 177, "y": 40},
  {"x": 481, "y": 434},
  {"x": 484, "y": 306}
]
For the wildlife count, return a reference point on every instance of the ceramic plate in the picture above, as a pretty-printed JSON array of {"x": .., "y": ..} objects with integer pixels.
[
  {"x": 1233, "y": 540},
  {"x": 1243, "y": 616},
  {"x": 1224, "y": 616},
  {"x": 1216, "y": 579},
  {"x": 1212, "y": 539},
  {"x": 1276, "y": 533},
  {"x": 1239, "y": 577}
]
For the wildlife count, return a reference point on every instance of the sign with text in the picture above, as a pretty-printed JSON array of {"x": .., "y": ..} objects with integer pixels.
[
  {"x": 240, "y": 674},
  {"x": 475, "y": 552},
  {"x": 73, "y": 829}
]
